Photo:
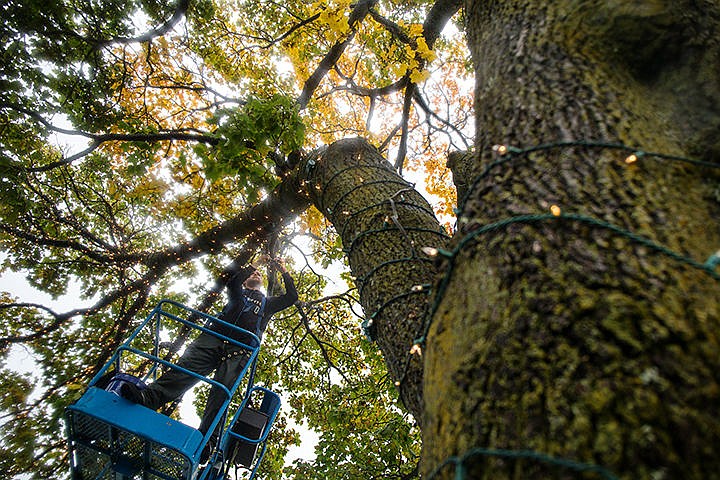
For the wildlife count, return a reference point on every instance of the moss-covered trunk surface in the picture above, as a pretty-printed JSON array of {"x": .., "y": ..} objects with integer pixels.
[
  {"x": 570, "y": 336},
  {"x": 383, "y": 223}
]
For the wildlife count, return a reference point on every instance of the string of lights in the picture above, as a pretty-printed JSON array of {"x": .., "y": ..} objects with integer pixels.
[
  {"x": 394, "y": 198},
  {"x": 351, "y": 216},
  {"x": 460, "y": 470},
  {"x": 391, "y": 224},
  {"x": 368, "y": 323},
  {"x": 388, "y": 229},
  {"x": 361, "y": 281},
  {"x": 344, "y": 170},
  {"x": 342, "y": 198},
  {"x": 508, "y": 154}
]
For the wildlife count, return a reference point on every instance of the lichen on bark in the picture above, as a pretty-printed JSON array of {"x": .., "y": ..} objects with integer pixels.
[
  {"x": 565, "y": 338},
  {"x": 383, "y": 223}
]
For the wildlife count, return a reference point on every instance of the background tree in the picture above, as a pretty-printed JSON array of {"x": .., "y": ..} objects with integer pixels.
[
  {"x": 569, "y": 326},
  {"x": 146, "y": 149}
]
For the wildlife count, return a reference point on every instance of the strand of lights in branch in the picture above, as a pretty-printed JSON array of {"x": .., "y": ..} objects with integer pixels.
[
  {"x": 556, "y": 214},
  {"x": 507, "y": 153}
]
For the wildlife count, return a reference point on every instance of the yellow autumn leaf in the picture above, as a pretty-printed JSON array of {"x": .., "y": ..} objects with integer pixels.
[
  {"x": 415, "y": 30},
  {"x": 400, "y": 70},
  {"x": 343, "y": 27},
  {"x": 150, "y": 187},
  {"x": 425, "y": 52},
  {"x": 313, "y": 221},
  {"x": 196, "y": 181},
  {"x": 417, "y": 76}
]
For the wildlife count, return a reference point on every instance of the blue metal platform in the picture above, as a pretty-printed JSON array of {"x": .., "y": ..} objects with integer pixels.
[
  {"x": 117, "y": 439},
  {"x": 111, "y": 438}
]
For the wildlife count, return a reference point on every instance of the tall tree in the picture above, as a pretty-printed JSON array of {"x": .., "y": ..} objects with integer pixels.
[
  {"x": 146, "y": 143},
  {"x": 591, "y": 336},
  {"x": 568, "y": 326}
]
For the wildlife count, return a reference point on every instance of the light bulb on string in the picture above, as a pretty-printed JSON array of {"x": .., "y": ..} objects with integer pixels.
[
  {"x": 555, "y": 210},
  {"x": 713, "y": 262},
  {"x": 634, "y": 157},
  {"x": 500, "y": 149}
]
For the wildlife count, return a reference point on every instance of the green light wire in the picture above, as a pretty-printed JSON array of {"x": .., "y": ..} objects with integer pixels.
[
  {"x": 344, "y": 196},
  {"x": 515, "y": 153},
  {"x": 512, "y": 153},
  {"x": 459, "y": 462},
  {"x": 346, "y": 169},
  {"x": 708, "y": 267}
]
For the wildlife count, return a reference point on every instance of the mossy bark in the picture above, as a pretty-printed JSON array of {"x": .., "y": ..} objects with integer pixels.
[
  {"x": 383, "y": 223},
  {"x": 562, "y": 337},
  {"x": 461, "y": 164}
]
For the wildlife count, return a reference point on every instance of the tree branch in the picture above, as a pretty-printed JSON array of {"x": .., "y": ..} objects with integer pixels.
[
  {"x": 320, "y": 343},
  {"x": 438, "y": 16},
  {"x": 98, "y": 139},
  {"x": 361, "y": 10},
  {"x": 402, "y": 148},
  {"x": 420, "y": 101},
  {"x": 259, "y": 221},
  {"x": 181, "y": 9}
]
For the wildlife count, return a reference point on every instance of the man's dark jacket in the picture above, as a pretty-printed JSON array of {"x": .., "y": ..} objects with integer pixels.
[{"x": 244, "y": 303}]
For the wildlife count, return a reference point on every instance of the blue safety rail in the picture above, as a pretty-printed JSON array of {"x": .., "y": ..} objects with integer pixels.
[
  {"x": 111, "y": 438},
  {"x": 245, "y": 440}
]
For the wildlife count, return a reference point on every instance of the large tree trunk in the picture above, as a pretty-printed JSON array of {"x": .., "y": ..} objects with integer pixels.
[
  {"x": 561, "y": 335},
  {"x": 383, "y": 223}
]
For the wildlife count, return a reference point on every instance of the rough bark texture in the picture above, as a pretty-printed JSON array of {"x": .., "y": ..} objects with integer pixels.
[
  {"x": 560, "y": 336},
  {"x": 461, "y": 164},
  {"x": 383, "y": 222}
]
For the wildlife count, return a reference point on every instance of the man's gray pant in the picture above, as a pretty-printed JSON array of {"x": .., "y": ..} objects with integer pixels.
[{"x": 205, "y": 354}]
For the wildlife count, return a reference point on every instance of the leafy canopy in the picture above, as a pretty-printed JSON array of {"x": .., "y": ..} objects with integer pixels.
[
  {"x": 249, "y": 134},
  {"x": 132, "y": 132}
]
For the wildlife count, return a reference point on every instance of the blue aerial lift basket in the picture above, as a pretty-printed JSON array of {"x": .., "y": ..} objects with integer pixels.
[{"x": 111, "y": 438}]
